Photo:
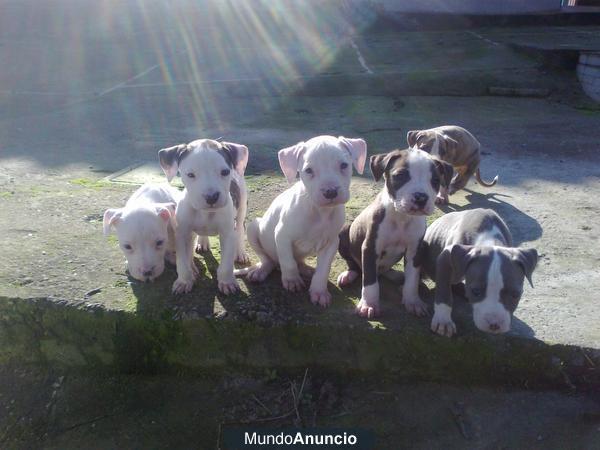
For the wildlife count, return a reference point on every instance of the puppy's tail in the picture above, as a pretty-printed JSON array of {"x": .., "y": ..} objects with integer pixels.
[{"x": 485, "y": 183}]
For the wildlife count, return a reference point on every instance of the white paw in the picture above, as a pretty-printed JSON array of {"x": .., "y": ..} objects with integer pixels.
[
  {"x": 416, "y": 306},
  {"x": 182, "y": 285},
  {"x": 293, "y": 283},
  {"x": 242, "y": 257},
  {"x": 203, "y": 244},
  {"x": 347, "y": 277},
  {"x": 321, "y": 298},
  {"x": 441, "y": 200},
  {"x": 368, "y": 309},
  {"x": 229, "y": 286},
  {"x": 443, "y": 325},
  {"x": 258, "y": 273}
]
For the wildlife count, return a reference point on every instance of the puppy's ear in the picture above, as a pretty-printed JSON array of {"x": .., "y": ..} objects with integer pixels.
[
  {"x": 527, "y": 258},
  {"x": 111, "y": 218},
  {"x": 289, "y": 160},
  {"x": 238, "y": 156},
  {"x": 166, "y": 211},
  {"x": 411, "y": 137},
  {"x": 460, "y": 257},
  {"x": 380, "y": 163},
  {"x": 170, "y": 158},
  {"x": 445, "y": 170},
  {"x": 358, "y": 151}
]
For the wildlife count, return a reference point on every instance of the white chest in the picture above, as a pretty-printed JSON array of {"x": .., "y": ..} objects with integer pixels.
[
  {"x": 207, "y": 223},
  {"x": 317, "y": 233}
]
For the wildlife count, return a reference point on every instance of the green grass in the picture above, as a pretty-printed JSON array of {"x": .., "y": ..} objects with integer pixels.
[{"x": 87, "y": 183}]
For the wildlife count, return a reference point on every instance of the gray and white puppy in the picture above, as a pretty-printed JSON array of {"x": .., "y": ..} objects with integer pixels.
[
  {"x": 214, "y": 203},
  {"x": 475, "y": 246},
  {"x": 456, "y": 146},
  {"x": 392, "y": 226}
]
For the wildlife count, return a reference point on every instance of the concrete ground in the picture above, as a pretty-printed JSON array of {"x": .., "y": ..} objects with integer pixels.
[{"x": 96, "y": 89}]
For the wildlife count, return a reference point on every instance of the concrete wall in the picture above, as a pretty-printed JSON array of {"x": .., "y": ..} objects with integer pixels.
[{"x": 469, "y": 6}]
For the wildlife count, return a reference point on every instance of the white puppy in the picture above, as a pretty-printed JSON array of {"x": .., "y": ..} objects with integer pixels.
[
  {"x": 307, "y": 218},
  {"x": 214, "y": 203},
  {"x": 145, "y": 228}
]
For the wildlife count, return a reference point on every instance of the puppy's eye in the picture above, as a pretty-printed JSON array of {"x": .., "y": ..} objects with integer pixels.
[
  {"x": 308, "y": 170},
  {"x": 191, "y": 175},
  {"x": 225, "y": 172},
  {"x": 127, "y": 247},
  {"x": 343, "y": 166},
  {"x": 159, "y": 242}
]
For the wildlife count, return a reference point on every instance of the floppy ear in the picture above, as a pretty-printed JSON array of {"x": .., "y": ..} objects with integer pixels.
[
  {"x": 445, "y": 170},
  {"x": 238, "y": 155},
  {"x": 411, "y": 137},
  {"x": 527, "y": 258},
  {"x": 166, "y": 211},
  {"x": 289, "y": 160},
  {"x": 169, "y": 159},
  {"x": 379, "y": 163},
  {"x": 358, "y": 151},
  {"x": 460, "y": 257},
  {"x": 111, "y": 218}
]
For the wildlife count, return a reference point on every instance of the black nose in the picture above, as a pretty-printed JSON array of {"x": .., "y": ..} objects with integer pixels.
[
  {"x": 148, "y": 273},
  {"x": 494, "y": 326},
  {"x": 330, "y": 194},
  {"x": 420, "y": 198},
  {"x": 212, "y": 198}
]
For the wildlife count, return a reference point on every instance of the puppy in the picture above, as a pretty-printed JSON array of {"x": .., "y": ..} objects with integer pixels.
[
  {"x": 392, "y": 226},
  {"x": 475, "y": 246},
  {"x": 307, "y": 218},
  {"x": 145, "y": 228},
  {"x": 214, "y": 202},
  {"x": 456, "y": 146}
]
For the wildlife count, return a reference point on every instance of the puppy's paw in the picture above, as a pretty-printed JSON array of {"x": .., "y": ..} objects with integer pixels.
[
  {"x": 443, "y": 325},
  {"x": 347, "y": 277},
  {"x": 203, "y": 244},
  {"x": 441, "y": 200},
  {"x": 368, "y": 309},
  {"x": 416, "y": 306},
  {"x": 321, "y": 298},
  {"x": 242, "y": 257},
  {"x": 258, "y": 272},
  {"x": 293, "y": 283},
  {"x": 229, "y": 286},
  {"x": 182, "y": 285}
]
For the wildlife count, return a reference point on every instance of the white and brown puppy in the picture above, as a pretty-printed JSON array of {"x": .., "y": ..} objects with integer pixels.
[
  {"x": 392, "y": 226},
  {"x": 214, "y": 203},
  {"x": 456, "y": 146},
  {"x": 145, "y": 228},
  {"x": 475, "y": 246},
  {"x": 307, "y": 218}
]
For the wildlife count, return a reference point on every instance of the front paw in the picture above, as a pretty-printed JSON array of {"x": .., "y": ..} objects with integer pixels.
[
  {"x": 229, "y": 286},
  {"x": 441, "y": 200},
  {"x": 367, "y": 308},
  {"x": 183, "y": 285},
  {"x": 293, "y": 283},
  {"x": 347, "y": 277},
  {"x": 416, "y": 306},
  {"x": 320, "y": 297},
  {"x": 203, "y": 244},
  {"x": 242, "y": 257},
  {"x": 443, "y": 325}
]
